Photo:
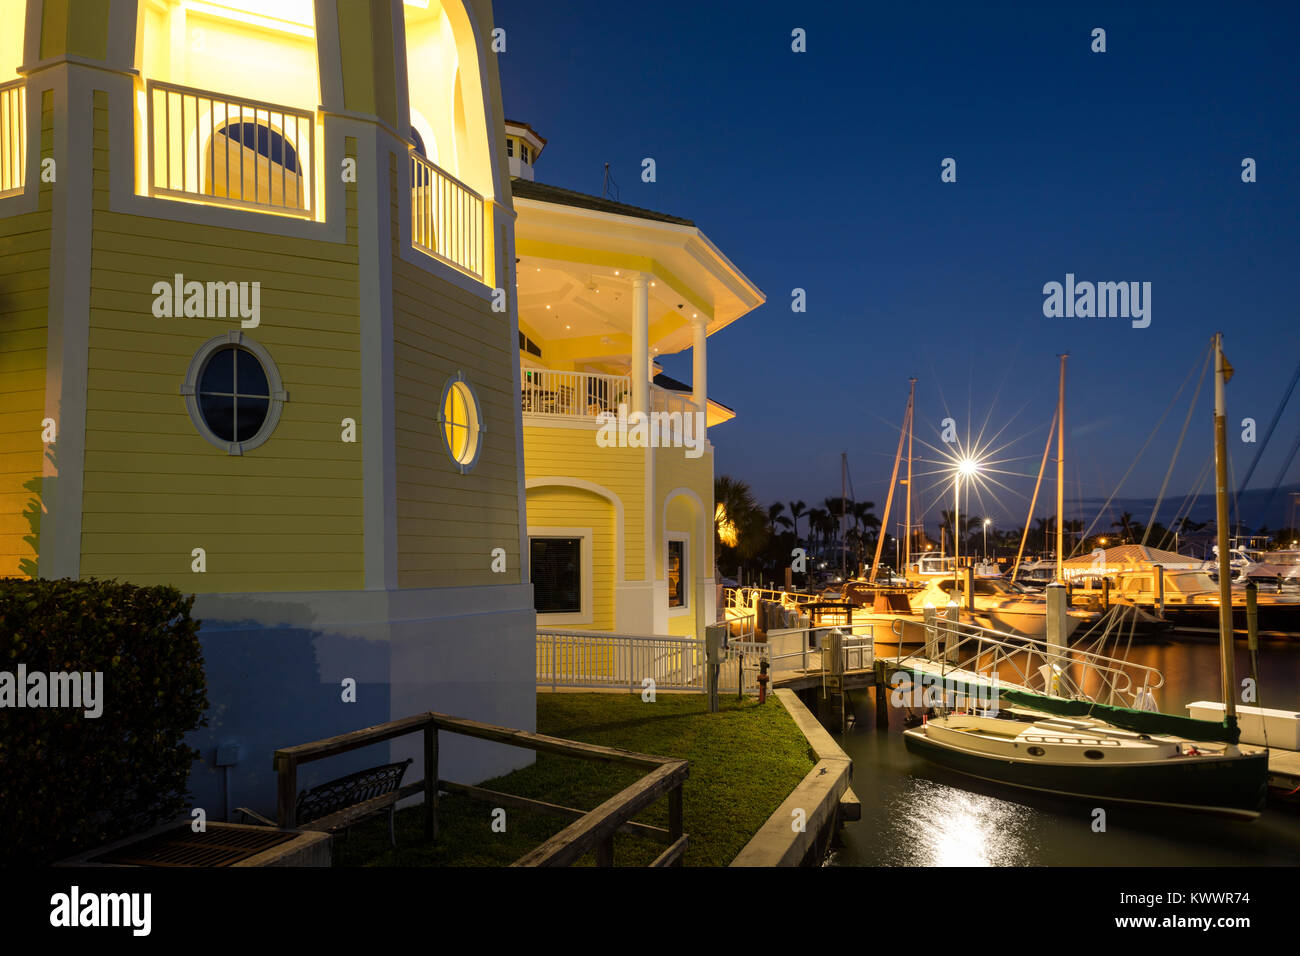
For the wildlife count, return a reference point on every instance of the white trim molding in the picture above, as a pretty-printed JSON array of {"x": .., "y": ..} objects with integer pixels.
[{"x": 586, "y": 614}]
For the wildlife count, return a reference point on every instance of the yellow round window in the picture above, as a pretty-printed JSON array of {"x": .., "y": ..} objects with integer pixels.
[{"x": 460, "y": 423}]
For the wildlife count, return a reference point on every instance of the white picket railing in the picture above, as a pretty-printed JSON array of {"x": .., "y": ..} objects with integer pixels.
[
  {"x": 13, "y": 137},
  {"x": 601, "y": 659},
  {"x": 568, "y": 658},
  {"x": 446, "y": 217},
  {"x": 230, "y": 150},
  {"x": 545, "y": 391}
]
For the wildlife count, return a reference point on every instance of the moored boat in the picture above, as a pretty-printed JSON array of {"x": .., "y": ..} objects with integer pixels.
[{"x": 1089, "y": 759}]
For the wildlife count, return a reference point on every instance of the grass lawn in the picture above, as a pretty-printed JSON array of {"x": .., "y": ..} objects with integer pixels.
[{"x": 744, "y": 761}]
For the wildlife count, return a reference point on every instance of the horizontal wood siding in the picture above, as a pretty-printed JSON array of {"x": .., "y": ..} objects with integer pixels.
[
  {"x": 559, "y": 507},
  {"x": 573, "y": 453},
  {"x": 448, "y": 523},
  {"x": 24, "y": 303},
  {"x": 674, "y": 470},
  {"x": 286, "y": 516}
]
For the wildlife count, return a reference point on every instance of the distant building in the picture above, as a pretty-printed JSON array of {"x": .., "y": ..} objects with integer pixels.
[{"x": 620, "y": 536}]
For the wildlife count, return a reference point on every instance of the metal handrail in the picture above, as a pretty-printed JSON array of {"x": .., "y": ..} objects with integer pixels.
[{"x": 1114, "y": 673}]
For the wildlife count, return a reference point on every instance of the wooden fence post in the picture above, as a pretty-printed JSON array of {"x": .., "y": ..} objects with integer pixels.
[
  {"x": 675, "y": 826},
  {"x": 430, "y": 780},
  {"x": 287, "y": 792}
]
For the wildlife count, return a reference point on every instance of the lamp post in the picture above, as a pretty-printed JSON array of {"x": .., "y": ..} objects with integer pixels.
[
  {"x": 987, "y": 522},
  {"x": 968, "y": 467}
]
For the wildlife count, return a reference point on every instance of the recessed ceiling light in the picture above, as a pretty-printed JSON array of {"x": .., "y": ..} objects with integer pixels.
[
  {"x": 548, "y": 306},
  {"x": 566, "y": 328},
  {"x": 616, "y": 272}
]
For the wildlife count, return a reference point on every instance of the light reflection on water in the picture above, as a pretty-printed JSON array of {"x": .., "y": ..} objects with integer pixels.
[
  {"x": 945, "y": 826},
  {"x": 917, "y": 814}
]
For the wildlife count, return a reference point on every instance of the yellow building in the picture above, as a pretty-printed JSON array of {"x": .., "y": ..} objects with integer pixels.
[
  {"x": 620, "y": 512},
  {"x": 256, "y": 343}
]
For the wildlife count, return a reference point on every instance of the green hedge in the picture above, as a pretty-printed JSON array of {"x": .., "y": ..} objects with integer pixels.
[{"x": 70, "y": 782}]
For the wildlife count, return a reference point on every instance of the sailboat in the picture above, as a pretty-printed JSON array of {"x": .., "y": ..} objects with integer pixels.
[{"x": 1081, "y": 748}]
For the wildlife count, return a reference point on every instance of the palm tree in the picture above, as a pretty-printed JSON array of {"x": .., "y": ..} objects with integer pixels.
[
  {"x": 739, "y": 520},
  {"x": 817, "y": 519},
  {"x": 775, "y": 517},
  {"x": 1126, "y": 522},
  {"x": 797, "y": 510}
]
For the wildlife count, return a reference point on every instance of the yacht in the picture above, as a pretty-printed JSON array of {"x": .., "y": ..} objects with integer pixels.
[{"x": 1002, "y": 605}]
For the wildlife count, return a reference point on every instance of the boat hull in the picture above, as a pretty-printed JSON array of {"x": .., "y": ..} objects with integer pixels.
[
  {"x": 1233, "y": 787},
  {"x": 1273, "y": 618}
]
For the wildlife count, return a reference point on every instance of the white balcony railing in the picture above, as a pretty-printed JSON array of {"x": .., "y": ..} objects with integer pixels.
[
  {"x": 572, "y": 394},
  {"x": 446, "y": 217},
  {"x": 586, "y": 394},
  {"x": 13, "y": 137},
  {"x": 230, "y": 151},
  {"x": 667, "y": 400}
]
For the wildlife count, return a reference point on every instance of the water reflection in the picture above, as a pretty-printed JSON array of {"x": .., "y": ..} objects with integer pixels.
[
  {"x": 945, "y": 826},
  {"x": 917, "y": 814}
]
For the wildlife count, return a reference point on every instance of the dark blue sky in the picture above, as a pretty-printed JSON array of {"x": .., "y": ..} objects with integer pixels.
[{"x": 821, "y": 170}]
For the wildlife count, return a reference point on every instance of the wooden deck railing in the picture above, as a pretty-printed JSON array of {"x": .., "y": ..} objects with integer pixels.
[
  {"x": 13, "y": 137},
  {"x": 446, "y": 217},
  {"x": 229, "y": 150},
  {"x": 590, "y": 832}
]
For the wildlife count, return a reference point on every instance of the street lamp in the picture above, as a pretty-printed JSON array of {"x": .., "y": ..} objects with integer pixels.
[
  {"x": 967, "y": 467},
  {"x": 987, "y": 522}
]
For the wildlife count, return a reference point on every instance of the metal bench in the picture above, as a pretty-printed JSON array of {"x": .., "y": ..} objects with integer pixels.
[{"x": 337, "y": 804}]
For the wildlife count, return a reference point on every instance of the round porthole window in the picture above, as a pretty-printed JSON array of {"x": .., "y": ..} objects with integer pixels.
[
  {"x": 462, "y": 425},
  {"x": 1036, "y": 751},
  {"x": 1094, "y": 754},
  {"x": 233, "y": 393}
]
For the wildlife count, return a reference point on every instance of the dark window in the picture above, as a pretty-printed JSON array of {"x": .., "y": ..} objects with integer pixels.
[
  {"x": 1093, "y": 754},
  {"x": 418, "y": 141},
  {"x": 264, "y": 141},
  {"x": 525, "y": 152},
  {"x": 528, "y": 345},
  {"x": 1036, "y": 751},
  {"x": 510, "y": 146},
  {"x": 233, "y": 394},
  {"x": 677, "y": 574},
  {"x": 556, "y": 570}
]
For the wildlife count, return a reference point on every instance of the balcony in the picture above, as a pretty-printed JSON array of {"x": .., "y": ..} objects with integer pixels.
[
  {"x": 585, "y": 395},
  {"x": 446, "y": 217},
  {"x": 13, "y": 137},
  {"x": 230, "y": 151},
  {"x": 572, "y": 394}
]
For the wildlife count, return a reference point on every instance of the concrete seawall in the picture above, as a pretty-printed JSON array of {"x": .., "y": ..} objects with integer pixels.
[{"x": 823, "y": 796}]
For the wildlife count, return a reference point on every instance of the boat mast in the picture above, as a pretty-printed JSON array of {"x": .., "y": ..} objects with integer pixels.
[
  {"x": 1033, "y": 501},
  {"x": 907, "y": 550},
  {"x": 893, "y": 480},
  {"x": 1222, "y": 372},
  {"x": 844, "y": 468},
  {"x": 1060, "y": 475}
]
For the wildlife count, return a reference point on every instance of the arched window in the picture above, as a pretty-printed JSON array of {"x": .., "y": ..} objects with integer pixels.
[
  {"x": 226, "y": 102},
  {"x": 253, "y": 162}
]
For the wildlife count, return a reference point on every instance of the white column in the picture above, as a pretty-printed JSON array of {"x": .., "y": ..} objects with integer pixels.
[
  {"x": 700, "y": 364},
  {"x": 640, "y": 365}
]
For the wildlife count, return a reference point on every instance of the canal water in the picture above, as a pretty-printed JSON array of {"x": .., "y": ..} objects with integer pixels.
[{"x": 917, "y": 814}]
